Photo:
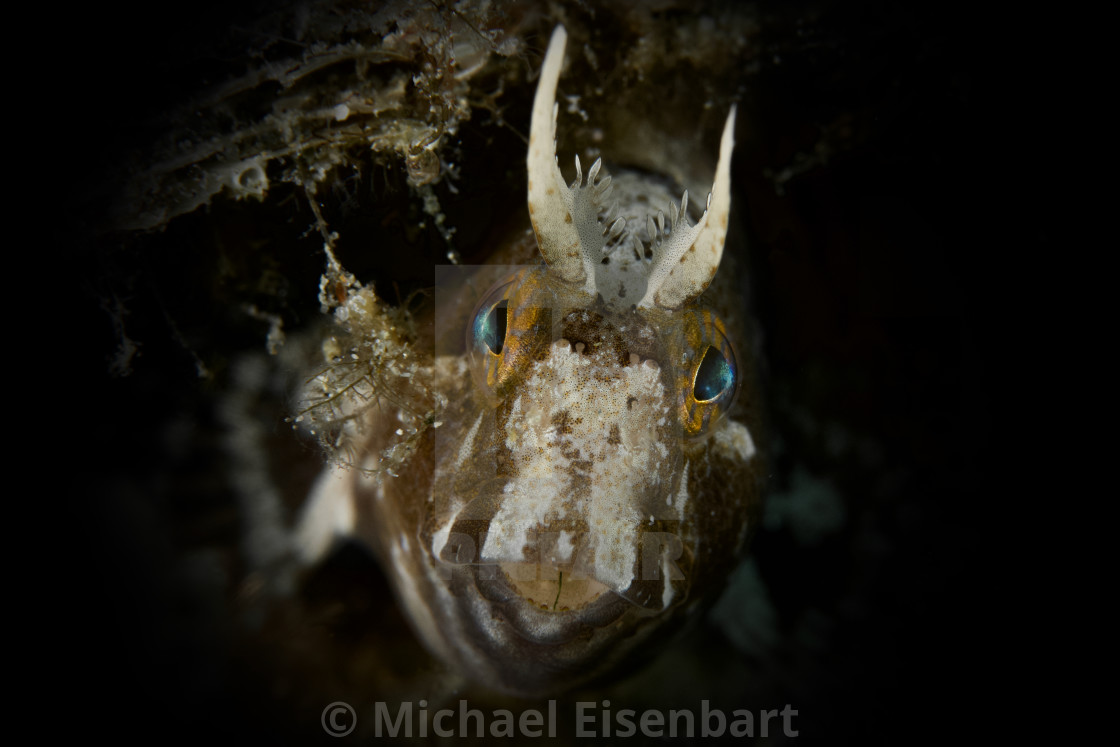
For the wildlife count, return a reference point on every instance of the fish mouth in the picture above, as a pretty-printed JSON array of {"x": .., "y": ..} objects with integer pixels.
[
  {"x": 574, "y": 608},
  {"x": 542, "y": 602},
  {"x": 539, "y": 610},
  {"x": 552, "y": 588},
  {"x": 553, "y": 603},
  {"x": 532, "y": 634}
]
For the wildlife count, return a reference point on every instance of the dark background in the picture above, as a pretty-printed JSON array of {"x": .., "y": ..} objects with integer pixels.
[{"x": 877, "y": 277}]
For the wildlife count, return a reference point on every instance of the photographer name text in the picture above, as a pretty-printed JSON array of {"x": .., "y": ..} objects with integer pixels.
[{"x": 590, "y": 719}]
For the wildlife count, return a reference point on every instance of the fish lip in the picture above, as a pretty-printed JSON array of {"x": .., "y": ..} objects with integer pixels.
[
  {"x": 496, "y": 590},
  {"x": 519, "y": 649},
  {"x": 547, "y": 627}
]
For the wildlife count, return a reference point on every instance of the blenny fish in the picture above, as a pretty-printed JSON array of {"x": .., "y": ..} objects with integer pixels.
[{"x": 587, "y": 468}]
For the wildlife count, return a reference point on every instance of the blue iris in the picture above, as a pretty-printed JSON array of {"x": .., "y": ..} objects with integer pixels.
[
  {"x": 715, "y": 377},
  {"x": 490, "y": 326}
]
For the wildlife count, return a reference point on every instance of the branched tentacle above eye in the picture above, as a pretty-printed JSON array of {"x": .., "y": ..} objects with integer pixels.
[
  {"x": 550, "y": 203},
  {"x": 688, "y": 259}
]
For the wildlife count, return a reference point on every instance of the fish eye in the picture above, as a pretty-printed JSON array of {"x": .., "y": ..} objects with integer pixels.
[
  {"x": 711, "y": 377},
  {"x": 489, "y": 327},
  {"x": 486, "y": 332},
  {"x": 715, "y": 377}
]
